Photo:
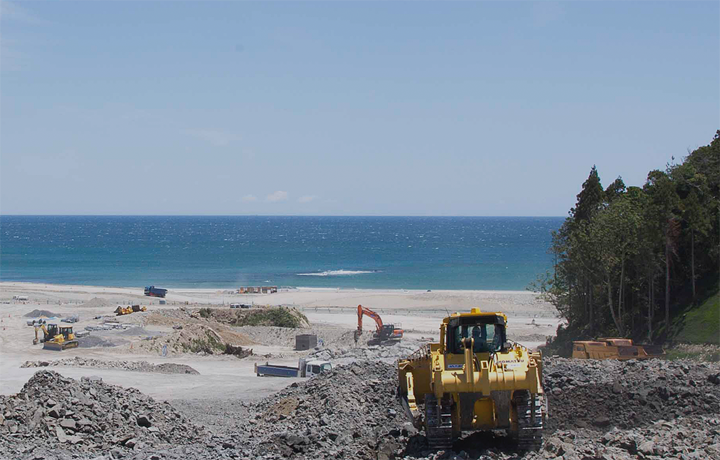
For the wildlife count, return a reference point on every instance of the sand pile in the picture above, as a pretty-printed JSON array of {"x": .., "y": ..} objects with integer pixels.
[
  {"x": 97, "y": 302},
  {"x": 89, "y": 415},
  {"x": 136, "y": 366}
]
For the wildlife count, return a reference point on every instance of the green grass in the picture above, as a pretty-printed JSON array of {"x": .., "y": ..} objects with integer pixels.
[{"x": 701, "y": 325}]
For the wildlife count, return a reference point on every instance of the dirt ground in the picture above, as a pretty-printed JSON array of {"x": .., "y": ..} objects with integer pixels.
[{"x": 332, "y": 314}]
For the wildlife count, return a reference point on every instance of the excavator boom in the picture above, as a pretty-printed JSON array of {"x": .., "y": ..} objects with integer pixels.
[{"x": 383, "y": 332}]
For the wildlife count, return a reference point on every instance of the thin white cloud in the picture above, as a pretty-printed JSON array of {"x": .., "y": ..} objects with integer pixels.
[
  {"x": 216, "y": 138},
  {"x": 277, "y": 196},
  {"x": 249, "y": 198},
  {"x": 306, "y": 198},
  {"x": 15, "y": 12}
]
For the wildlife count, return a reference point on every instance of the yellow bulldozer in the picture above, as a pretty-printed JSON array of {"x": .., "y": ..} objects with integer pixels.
[
  {"x": 615, "y": 348},
  {"x": 56, "y": 337},
  {"x": 474, "y": 380}
]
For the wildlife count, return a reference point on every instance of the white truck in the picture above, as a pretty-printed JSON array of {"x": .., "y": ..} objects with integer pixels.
[{"x": 303, "y": 369}]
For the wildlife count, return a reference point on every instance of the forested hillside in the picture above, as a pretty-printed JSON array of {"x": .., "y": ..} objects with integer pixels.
[{"x": 630, "y": 261}]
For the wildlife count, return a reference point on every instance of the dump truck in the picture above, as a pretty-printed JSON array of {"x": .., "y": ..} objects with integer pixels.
[
  {"x": 474, "y": 379},
  {"x": 615, "y": 348},
  {"x": 152, "y": 291},
  {"x": 56, "y": 337},
  {"x": 304, "y": 369},
  {"x": 384, "y": 333}
]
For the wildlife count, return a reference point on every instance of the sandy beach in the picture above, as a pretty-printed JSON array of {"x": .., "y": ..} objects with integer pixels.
[{"x": 331, "y": 312}]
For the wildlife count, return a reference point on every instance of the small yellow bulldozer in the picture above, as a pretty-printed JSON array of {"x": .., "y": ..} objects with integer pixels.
[
  {"x": 56, "y": 337},
  {"x": 474, "y": 380},
  {"x": 615, "y": 348}
]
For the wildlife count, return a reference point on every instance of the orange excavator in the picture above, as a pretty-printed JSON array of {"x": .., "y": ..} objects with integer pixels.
[{"x": 384, "y": 333}]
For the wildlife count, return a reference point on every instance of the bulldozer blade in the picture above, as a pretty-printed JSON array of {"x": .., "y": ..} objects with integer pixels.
[{"x": 52, "y": 346}]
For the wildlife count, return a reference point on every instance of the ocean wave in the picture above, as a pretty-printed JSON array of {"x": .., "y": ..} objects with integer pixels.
[{"x": 338, "y": 273}]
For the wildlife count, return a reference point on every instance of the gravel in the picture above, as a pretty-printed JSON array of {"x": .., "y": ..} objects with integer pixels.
[
  {"x": 136, "y": 366},
  {"x": 598, "y": 410}
]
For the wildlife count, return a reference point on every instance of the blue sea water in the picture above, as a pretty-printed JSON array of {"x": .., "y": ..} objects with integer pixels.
[{"x": 504, "y": 253}]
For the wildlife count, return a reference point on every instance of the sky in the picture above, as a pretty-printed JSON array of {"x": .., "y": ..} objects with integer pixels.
[{"x": 345, "y": 108}]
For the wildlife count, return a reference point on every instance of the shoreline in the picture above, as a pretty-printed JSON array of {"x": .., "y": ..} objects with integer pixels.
[{"x": 284, "y": 289}]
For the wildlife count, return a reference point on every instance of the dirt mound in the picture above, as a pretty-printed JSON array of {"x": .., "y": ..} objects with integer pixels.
[
  {"x": 196, "y": 338},
  {"x": 39, "y": 313},
  {"x": 97, "y": 302},
  {"x": 86, "y": 415},
  {"x": 136, "y": 366}
]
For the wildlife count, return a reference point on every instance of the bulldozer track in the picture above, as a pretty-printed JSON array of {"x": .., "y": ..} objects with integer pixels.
[
  {"x": 438, "y": 423},
  {"x": 531, "y": 420}
]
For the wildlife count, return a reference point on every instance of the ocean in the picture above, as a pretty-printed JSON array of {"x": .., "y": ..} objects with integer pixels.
[{"x": 503, "y": 253}]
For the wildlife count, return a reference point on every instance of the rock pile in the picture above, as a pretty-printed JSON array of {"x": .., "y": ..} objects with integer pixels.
[
  {"x": 351, "y": 412},
  {"x": 600, "y": 395},
  {"x": 600, "y": 410},
  {"x": 384, "y": 353},
  {"x": 136, "y": 366},
  {"x": 52, "y": 412}
]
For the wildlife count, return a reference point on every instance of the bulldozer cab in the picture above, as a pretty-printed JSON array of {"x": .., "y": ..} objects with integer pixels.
[
  {"x": 66, "y": 332},
  {"x": 487, "y": 332}
]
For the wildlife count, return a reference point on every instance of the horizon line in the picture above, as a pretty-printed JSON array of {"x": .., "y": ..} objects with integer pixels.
[{"x": 270, "y": 215}]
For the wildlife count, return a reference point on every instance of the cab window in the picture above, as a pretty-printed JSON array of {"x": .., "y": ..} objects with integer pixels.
[{"x": 486, "y": 337}]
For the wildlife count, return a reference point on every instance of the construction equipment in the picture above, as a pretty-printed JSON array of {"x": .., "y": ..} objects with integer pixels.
[
  {"x": 120, "y": 310},
  {"x": 615, "y": 348},
  {"x": 152, "y": 291},
  {"x": 304, "y": 369},
  {"x": 384, "y": 333},
  {"x": 474, "y": 380},
  {"x": 56, "y": 337}
]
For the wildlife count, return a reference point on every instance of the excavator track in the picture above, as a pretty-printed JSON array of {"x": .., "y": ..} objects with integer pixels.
[
  {"x": 438, "y": 423},
  {"x": 530, "y": 420}
]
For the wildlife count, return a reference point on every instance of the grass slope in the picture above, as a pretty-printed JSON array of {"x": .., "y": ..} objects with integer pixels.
[{"x": 701, "y": 325}]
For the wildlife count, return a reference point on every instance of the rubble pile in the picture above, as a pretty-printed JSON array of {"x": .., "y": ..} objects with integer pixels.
[
  {"x": 52, "y": 412},
  {"x": 385, "y": 353},
  {"x": 136, "y": 366},
  {"x": 600, "y": 410},
  {"x": 350, "y": 412},
  {"x": 600, "y": 395}
]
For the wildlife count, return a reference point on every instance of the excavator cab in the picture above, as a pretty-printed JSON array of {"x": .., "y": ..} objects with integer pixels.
[{"x": 50, "y": 331}]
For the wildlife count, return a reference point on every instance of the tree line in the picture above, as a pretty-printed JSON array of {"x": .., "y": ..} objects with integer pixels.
[{"x": 627, "y": 258}]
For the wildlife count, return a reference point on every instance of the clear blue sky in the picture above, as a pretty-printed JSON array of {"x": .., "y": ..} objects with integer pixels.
[{"x": 346, "y": 108}]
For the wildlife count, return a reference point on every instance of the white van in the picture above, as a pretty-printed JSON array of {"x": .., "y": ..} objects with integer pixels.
[{"x": 20, "y": 298}]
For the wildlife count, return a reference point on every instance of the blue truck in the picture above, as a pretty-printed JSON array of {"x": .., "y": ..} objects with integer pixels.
[
  {"x": 152, "y": 291},
  {"x": 304, "y": 369}
]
